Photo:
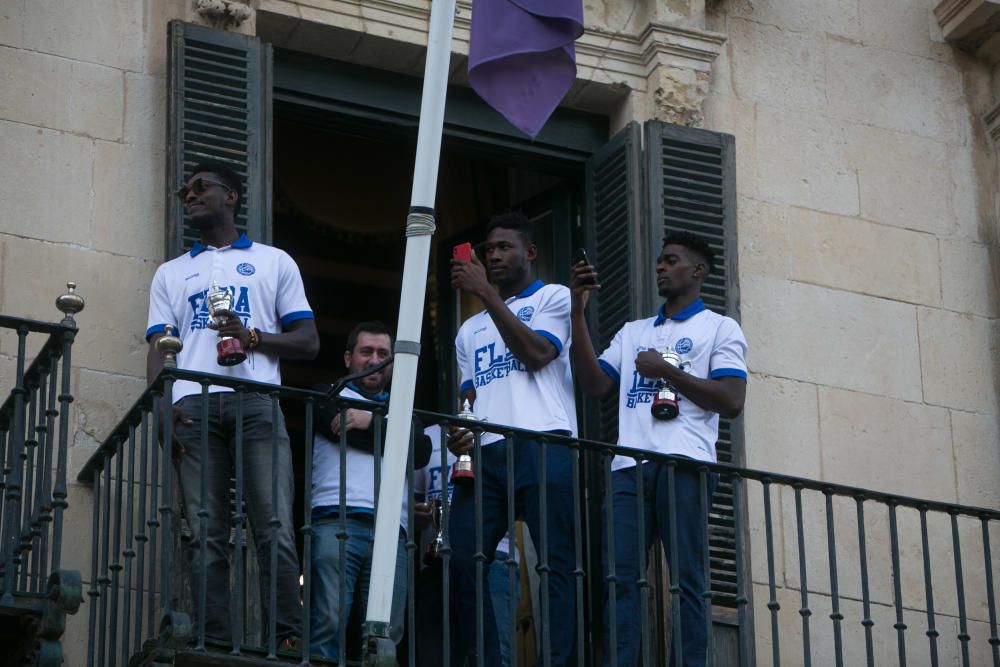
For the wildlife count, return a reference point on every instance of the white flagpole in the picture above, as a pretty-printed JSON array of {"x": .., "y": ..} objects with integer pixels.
[{"x": 419, "y": 229}]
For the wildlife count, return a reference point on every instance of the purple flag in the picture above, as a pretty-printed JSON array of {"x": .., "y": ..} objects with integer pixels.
[{"x": 521, "y": 56}]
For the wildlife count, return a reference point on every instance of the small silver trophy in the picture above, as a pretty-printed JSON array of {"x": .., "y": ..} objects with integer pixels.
[
  {"x": 220, "y": 308},
  {"x": 435, "y": 549},
  {"x": 666, "y": 402},
  {"x": 463, "y": 470}
]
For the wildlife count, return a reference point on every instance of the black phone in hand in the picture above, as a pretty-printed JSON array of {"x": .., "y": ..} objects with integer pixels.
[{"x": 581, "y": 256}]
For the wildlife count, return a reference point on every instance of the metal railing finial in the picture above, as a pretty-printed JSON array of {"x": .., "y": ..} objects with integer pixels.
[
  {"x": 169, "y": 346},
  {"x": 70, "y": 304}
]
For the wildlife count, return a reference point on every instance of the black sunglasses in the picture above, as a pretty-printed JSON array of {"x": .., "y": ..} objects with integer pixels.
[{"x": 198, "y": 186}]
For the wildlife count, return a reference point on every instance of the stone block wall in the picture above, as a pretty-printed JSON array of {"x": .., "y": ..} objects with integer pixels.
[
  {"x": 869, "y": 239},
  {"x": 82, "y": 99},
  {"x": 870, "y": 280}
]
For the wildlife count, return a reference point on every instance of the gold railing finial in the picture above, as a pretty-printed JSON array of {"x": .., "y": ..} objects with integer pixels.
[
  {"x": 169, "y": 345},
  {"x": 70, "y": 304}
]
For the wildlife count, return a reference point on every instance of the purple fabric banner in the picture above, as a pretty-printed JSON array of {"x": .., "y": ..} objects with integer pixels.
[{"x": 521, "y": 56}]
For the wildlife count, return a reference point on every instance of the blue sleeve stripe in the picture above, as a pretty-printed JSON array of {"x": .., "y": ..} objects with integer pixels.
[
  {"x": 552, "y": 339},
  {"x": 297, "y": 315},
  {"x": 729, "y": 373},
  {"x": 610, "y": 371},
  {"x": 155, "y": 329},
  {"x": 466, "y": 386}
]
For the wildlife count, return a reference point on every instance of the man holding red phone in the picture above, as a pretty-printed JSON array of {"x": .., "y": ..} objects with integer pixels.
[{"x": 513, "y": 359}]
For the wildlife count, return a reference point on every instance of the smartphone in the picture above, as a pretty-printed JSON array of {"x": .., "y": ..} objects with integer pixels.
[
  {"x": 581, "y": 256},
  {"x": 462, "y": 252}
]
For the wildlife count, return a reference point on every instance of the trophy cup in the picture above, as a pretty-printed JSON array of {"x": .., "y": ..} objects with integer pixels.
[
  {"x": 665, "y": 402},
  {"x": 435, "y": 549},
  {"x": 462, "y": 470},
  {"x": 220, "y": 303}
]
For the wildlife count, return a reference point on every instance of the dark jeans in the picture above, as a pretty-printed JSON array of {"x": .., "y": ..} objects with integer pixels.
[
  {"x": 430, "y": 611},
  {"x": 561, "y": 554},
  {"x": 260, "y": 472},
  {"x": 690, "y": 557}
]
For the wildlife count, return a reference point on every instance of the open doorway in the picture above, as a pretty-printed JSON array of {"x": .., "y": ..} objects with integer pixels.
[{"x": 341, "y": 196}]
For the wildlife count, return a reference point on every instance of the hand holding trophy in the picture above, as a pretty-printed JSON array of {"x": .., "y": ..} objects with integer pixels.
[
  {"x": 666, "y": 402},
  {"x": 220, "y": 304},
  {"x": 463, "y": 470}
]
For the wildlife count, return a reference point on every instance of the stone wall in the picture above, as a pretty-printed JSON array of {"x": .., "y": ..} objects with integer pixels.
[
  {"x": 868, "y": 236},
  {"x": 82, "y": 90},
  {"x": 870, "y": 282}
]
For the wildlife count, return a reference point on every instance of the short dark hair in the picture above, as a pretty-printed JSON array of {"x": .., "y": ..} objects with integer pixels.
[
  {"x": 694, "y": 243},
  {"x": 515, "y": 220},
  {"x": 226, "y": 174},
  {"x": 372, "y": 327}
]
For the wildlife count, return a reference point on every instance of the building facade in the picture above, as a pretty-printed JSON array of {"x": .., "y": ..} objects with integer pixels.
[{"x": 861, "y": 202}]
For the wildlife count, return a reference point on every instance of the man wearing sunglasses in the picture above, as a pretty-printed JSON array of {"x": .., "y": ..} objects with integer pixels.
[{"x": 272, "y": 319}]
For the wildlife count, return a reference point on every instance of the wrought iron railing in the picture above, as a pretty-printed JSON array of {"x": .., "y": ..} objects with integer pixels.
[
  {"x": 34, "y": 429},
  {"x": 826, "y": 573}
]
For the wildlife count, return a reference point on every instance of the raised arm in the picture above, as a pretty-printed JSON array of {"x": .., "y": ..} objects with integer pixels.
[
  {"x": 593, "y": 381},
  {"x": 529, "y": 347}
]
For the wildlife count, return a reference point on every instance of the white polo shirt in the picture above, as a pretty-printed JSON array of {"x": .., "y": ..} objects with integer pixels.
[
  {"x": 709, "y": 345},
  {"x": 360, "y": 490},
  {"x": 268, "y": 295},
  {"x": 506, "y": 392}
]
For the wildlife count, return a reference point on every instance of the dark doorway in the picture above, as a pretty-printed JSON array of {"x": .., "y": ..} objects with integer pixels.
[
  {"x": 340, "y": 201},
  {"x": 341, "y": 195},
  {"x": 344, "y": 141}
]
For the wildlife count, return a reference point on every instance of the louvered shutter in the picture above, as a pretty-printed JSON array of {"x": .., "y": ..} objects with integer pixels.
[
  {"x": 218, "y": 109},
  {"x": 692, "y": 187},
  {"x": 614, "y": 238}
]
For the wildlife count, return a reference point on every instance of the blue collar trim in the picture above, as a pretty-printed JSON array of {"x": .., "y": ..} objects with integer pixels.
[
  {"x": 379, "y": 398},
  {"x": 242, "y": 243},
  {"x": 685, "y": 314},
  {"x": 530, "y": 289}
]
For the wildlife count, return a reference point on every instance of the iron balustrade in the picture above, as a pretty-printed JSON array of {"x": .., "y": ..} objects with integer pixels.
[
  {"x": 34, "y": 432},
  {"x": 32, "y": 498},
  {"x": 843, "y": 575}
]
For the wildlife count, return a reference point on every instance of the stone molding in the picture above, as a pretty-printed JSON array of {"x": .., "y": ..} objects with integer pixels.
[
  {"x": 223, "y": 13},
  {"x": 606, "y": 58},
  {"x": 968, "y": 23},
  {"x": 974, "y": 25},
  {"x": 636, "y": 56}
]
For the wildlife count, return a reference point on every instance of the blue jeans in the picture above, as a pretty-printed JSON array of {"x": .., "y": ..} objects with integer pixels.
[
  {"x": 559, "y": 541},
  {"x": 499, "y": 583},
  {"x": 261, "y": 437},
  {"x": 328, "y": 566},
  {"x": 689, "y": 568}
]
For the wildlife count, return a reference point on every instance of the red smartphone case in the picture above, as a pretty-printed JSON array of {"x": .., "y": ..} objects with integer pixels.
[{"x": 462, "y": 252}]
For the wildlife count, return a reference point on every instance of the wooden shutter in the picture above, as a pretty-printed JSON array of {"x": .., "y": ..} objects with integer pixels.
[
  {"x": 218, "y": 109},
  {"x": 614, "y": 237},
  {"x": 692, "y": 187}
]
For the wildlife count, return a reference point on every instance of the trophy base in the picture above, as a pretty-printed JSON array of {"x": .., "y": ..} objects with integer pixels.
[
  {"x": 458, "y": 475},
  {"x": 431, "y": 557},
  {"x": 230, "y": 352},
  {"x": 665, "y": 410}
]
